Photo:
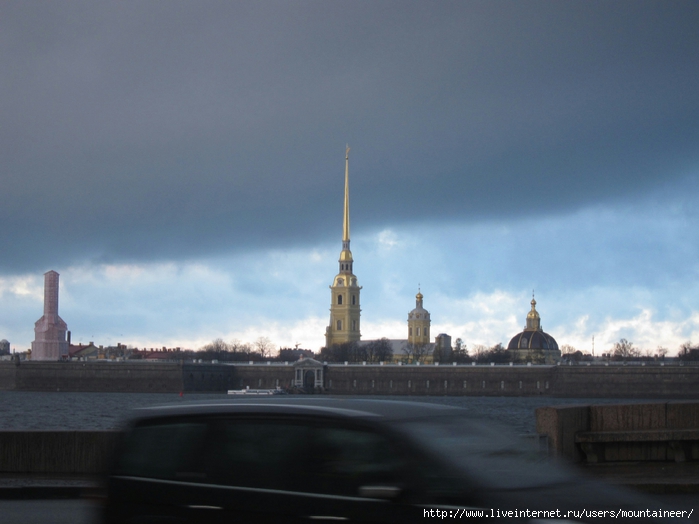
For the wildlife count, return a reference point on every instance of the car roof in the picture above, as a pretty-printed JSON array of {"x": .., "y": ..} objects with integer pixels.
[{"x": 388, "y": 410}]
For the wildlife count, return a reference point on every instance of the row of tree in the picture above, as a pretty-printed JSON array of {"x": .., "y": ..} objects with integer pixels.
[
  {"x": 381, "y": 350},
  {"x": 374, "y": 351},
  {"x": 236, "y": 351},
  {"x": 624, "y": 350}
]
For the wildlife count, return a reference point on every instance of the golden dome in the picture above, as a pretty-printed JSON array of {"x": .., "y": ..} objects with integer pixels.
[
  {"x": 419, "y": 296},
  {"x": 345, "y": 255}
]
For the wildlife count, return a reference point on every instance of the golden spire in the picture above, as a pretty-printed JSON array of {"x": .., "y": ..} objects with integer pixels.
[
  {"x": 346, "y": 254},
  {"x": 345, "y": 223}
]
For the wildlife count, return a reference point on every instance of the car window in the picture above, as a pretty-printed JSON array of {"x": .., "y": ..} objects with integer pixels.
[
  {"x": 302, "y": 456},
  {"x": 169, "y": 451},
  {"x": 260, "y": 454},
  {"x": 346, "y": 459}
]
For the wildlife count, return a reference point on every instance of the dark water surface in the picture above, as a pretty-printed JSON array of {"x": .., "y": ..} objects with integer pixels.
[{"x": 24, "y": 410}]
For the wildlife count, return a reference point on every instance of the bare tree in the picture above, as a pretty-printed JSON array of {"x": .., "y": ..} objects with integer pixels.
[
  {"x": 688, "y": 352},
  {"x": 215, "y": 346},
  {"x": 345, "y": 352},
  {"x": 478, "y": 351},
  {"x": 378, "y": 350},
  {"x": 416, "y": 352},
  {"x": 264, "y": 347},
  {"x": 661, "y": 352},
  {"x": 567, "y": 349},
  {"x": 236, "y": 346},
  {"x": 497, "y": 354},
  {"x": 460, "y": 353},
  {"x": 624, "y": 350}
]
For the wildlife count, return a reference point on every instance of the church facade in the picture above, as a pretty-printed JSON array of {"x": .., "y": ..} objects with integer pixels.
[{"x": 344, "y": 292}]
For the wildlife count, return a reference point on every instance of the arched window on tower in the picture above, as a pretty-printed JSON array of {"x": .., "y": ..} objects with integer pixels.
[
  {"x": 410, "y": 332},
  {"x": 354, "y": 300},
  {"x": 339, "y": 325},
  {"x": 354, "y": 325},
  {"x": 339, "y": 300},
  {"x": 418, "y": 332}
]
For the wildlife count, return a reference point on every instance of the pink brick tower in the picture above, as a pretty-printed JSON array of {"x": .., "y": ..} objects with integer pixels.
[{"x": 50, "y": 330}]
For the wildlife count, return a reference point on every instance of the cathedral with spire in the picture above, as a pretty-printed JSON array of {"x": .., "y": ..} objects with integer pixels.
[
  {"x": 531, "y": 345},
  {"x": 344, "y": 291}
]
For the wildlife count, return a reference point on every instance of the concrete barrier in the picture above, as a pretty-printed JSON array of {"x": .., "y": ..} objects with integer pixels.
[
  {"x": 662, "y": 431},
  {"x": 55, "y": 452},
  {"x": 560, "y": 424}
]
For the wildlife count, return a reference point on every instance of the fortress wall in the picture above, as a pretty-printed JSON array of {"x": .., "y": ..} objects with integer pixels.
[
  {"x": 144, "y": 377},
  {"x": 262, "y": 376},
  {"x": 222, "y": 377},
  {"x": 7, "y": 376},
  {"x": 208, "y": 377},
  {"x": 626, "y": 381},
  {"x": 438, "y": 380},
  {"x": 559, "y": 381}
]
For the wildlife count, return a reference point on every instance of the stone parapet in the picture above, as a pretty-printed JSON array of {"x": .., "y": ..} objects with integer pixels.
[
  {"x": 662, "y": 431},
  {"x": 55, "y": 452}
]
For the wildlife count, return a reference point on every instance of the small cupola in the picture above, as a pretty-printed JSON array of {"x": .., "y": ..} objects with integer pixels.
[{"x": 533, "y": 319}]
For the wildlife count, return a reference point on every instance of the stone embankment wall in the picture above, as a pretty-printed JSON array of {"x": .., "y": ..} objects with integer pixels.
[
  {"x": 597, "y": 381},
  {"x": 55, "y": 452},
  {"x": 657, "y": 432}
]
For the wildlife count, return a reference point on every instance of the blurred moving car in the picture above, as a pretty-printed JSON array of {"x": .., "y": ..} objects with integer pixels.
[{"x": 325, "y": 459}]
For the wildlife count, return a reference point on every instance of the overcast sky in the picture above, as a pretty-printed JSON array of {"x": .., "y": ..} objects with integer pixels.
[{"x": 181, "y": 165}]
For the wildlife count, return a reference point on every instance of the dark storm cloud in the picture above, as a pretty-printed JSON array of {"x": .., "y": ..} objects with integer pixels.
[{"x": 149, "y": 130}]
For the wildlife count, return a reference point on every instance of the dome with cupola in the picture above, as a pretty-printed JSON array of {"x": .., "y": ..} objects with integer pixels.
[{"x": 534, "y": 344}]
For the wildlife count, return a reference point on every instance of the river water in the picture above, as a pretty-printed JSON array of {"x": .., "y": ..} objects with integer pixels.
[{"x": 24, "y": 410}]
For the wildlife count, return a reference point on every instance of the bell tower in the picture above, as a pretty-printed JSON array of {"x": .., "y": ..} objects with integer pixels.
[
  {"x": 419, "y": 322},
  {"x": 344, "y": 291}
]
